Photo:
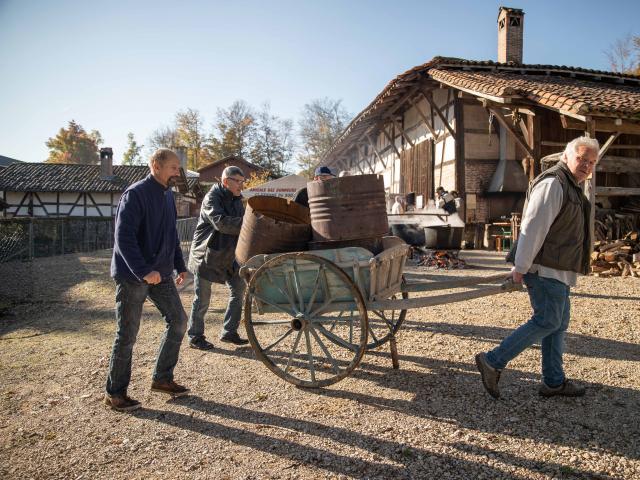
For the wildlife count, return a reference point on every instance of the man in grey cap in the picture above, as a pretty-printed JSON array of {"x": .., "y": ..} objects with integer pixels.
[
  {"x": 212, "y": 258},
  {"x": 321, "y": 174}
]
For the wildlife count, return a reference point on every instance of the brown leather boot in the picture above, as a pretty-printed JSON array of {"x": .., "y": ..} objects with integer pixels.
[
  {"x": 170, "y": 387},
  {"x": 121, "y": 403}
]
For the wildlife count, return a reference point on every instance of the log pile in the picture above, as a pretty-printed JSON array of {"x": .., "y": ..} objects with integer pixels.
[
  {"x": 440, "y": 259},
  {"x": 619, "y": 258}
]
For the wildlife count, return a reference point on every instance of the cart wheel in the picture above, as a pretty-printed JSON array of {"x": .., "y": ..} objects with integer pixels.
[
  {"x": 384, "y": 323},
  {"x": 297, "y": 332}
]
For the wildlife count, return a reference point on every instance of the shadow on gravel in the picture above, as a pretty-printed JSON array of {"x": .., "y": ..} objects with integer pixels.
[
  {"x": 453, "y": 392},
  {"x": 576, "y": 344},
  {"x": 412, "y": 460}
]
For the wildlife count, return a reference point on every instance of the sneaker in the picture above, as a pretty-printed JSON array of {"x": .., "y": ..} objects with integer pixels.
[
  {"x": 200, "y": 343},
  {"x": 121, "y": 403},
  {"x": 234, "y": 338},
  {"x": 567, "y": 389},
  {"x": 490, "y": 375},
  {"x": 170, "y": 387}
]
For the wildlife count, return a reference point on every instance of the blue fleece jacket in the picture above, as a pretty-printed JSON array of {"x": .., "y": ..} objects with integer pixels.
[{"x": 146, "y": 238}]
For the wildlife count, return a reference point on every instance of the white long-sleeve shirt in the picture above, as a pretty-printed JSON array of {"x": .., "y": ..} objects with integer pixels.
[{"x": 543, "y": 207}]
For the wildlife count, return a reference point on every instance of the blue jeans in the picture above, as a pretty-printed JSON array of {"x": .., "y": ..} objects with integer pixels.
[
  {"x": 130, "y": 297},
  {"x": 201, "y": 300},
  {"x": 548, "y": 325}
]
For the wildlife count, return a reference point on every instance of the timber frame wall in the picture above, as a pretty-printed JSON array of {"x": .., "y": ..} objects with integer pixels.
[{"x": 463, "y": 128}]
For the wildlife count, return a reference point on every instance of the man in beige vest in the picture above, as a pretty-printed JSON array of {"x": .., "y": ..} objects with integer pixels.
[{"x": 553, "y": 249}]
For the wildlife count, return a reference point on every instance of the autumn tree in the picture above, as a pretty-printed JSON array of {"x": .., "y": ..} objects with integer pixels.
[
  {"x": 74, "y": 145},
  {"x": 273, "y": 143},
  {"x": 190, "y": 133},
  {"x": 234, "y": 131},
  {"x": 132, "y": 156},
  {"x": 321, "y": 123}
]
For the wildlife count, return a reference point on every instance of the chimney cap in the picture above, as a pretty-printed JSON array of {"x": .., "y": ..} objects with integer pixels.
[{"x": 515, "y": 11}]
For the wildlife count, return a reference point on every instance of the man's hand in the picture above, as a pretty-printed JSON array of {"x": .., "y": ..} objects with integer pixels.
[
  {"x": 152, "y": 278},
  {"x": 516, "y": 276},
  {"x": 180, "y": 278}
]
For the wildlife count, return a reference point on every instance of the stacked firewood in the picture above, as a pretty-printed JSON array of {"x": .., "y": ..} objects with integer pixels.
[
  {"x": 619, "y": 258},
  {"x": 440, "y": 259}
]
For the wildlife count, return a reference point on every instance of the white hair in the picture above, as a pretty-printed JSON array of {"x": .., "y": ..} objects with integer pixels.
[
  {"x": 572, "y": 147},
  {"x": 232, "y": 170}
]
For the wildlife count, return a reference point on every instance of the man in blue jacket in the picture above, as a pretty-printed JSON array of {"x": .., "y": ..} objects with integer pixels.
[
  {"x": 146, "y": 252},
  {"x": 212, "y": 258}
]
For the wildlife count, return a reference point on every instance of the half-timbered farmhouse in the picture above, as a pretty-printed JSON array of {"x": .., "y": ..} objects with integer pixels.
[
  {"x": 71, "y": 190},
  {"x": 482, "y": 128}
]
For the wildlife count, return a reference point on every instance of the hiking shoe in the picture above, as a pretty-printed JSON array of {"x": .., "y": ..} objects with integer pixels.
[
  {"x": 567, "y": 389},
  {"x": 170, "y": 387},
  {"x": 200, "y": 343},
  {"x": 121, "y": 403},
  {"x": 490, "y": 375},
  {"x": 234, "y": 338}
]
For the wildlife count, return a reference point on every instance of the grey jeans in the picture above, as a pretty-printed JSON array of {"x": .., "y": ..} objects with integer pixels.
[
  {"x": 130, "y": 297},
  {"x": 201, "y": 300}
]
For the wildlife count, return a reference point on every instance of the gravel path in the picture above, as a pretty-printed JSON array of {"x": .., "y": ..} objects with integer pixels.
[{"x": 430, "y": 419}]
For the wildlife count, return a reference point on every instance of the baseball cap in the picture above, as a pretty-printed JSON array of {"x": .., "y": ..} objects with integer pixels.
[{"x": 323, "y": 171}]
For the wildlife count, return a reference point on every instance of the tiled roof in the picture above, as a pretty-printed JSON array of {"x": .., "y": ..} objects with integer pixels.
[
  {"x": 6, "y": 161},
  {"x": 62, "y": 177},
  {"x": 567, "y": 94},
  {"x": 568, "y": 89}
]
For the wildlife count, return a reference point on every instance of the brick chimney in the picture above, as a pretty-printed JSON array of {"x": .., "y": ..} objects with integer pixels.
[
  {"x": 510, "y": 34},
  {"x": 182, "y": 155},
  {"x": 106, "y": 163}
]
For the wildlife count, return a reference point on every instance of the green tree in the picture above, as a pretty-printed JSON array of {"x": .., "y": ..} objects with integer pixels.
[
  {"x": 234, "y": 131},
  {"x": 273, "y": 144},
  {"x": 74, "y": 145},
  {"x": 321, "y": 123},
  {"x": 132, "y": 155}
]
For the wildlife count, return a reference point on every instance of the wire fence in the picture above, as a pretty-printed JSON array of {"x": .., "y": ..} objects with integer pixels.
[{"x": 29, "y": 238}]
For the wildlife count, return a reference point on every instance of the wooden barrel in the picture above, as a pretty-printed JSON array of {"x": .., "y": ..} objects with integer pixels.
[
  {"x": 272, "y": 225},
  {"x": 348, "y": 208}
]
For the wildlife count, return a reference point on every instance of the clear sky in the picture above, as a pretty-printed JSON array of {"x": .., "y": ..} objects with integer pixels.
[{"x": 120, "y": 66}]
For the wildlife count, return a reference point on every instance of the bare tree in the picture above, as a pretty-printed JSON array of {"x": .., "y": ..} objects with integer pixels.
[
  {"x": 163, "y": 137},
  {"x": 623, "y": 54},
  {"x": 273, "y": 143},
  {"x": 321, "y": 123}
]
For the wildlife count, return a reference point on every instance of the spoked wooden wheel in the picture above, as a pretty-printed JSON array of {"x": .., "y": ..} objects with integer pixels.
[
  {"x": 291, "y": 314},
  {"x": 381, "y": 323}
]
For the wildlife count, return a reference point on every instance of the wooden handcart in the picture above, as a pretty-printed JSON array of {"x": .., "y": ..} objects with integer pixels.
[{"x": 310, "y": 316}]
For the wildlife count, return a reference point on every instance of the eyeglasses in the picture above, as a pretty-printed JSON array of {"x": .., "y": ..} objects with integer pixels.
[{"x": 238, "y": 181}]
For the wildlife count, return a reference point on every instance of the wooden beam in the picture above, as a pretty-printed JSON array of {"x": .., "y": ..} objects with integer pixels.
[
  {"x": 590, "y": 187},
  {"x": 617, "y": 191},
  {"x": 503, "y": 121},
  {"x": 402, "y": 132},
  {"x": 617, "y": 164},
  {"x": 366, "y": 159},
  {"x": 375, "y": 151},
  {"x": 458, "y": 115},
  {"x": 403, "y": 99},
  {"x": 533, "y": 140},
  {"x": 603, "y": 125},
  {"x": 606, "y": 145},
  {"x": 392, "y": 143},
  {"x": 424, "y": 119},
  {"x": 431, "y": 102}
]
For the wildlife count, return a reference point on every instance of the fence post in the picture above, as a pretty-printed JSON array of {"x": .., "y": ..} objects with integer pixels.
[
  {"x": 31, "y": 239},
  {"x": 62, "y": 234}
]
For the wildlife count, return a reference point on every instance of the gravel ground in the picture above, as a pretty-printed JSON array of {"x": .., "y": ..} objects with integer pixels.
[{"x": 429, "y": 419}]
